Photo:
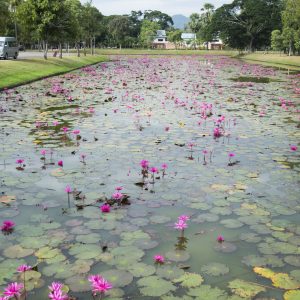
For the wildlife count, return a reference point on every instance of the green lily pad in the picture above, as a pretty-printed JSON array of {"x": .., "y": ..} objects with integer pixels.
[
  {"x": 178, "y": 256},
  {"x": 141, "y": 270},
  {"x": 169, "y": 272},
  {"x": 87, "y": 251},
  {"x": 206, "y": 292},
  {"x": 189, "y": 280},
  {"x": 118, "y": 278},
  {"x": 159, "y": 219},
  {"x": 245, "y": 289},
  {"x": 293, "y": 260},
  {"x": 78, "y": 283},
  {"x": 231, "y": 223},
  {"x": 215, "y": 269},
  {"x": 17, "y": 251},
  {"x": 292, "y": 295},
  {"x": 154, "y": 286},
  {"x": 47, "y": 252}
]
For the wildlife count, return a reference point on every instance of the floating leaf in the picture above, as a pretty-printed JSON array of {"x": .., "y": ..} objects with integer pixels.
[
  {"x": 118, "y": 278},
  {"x": 17, "y": 251},
  {"x": 215, "y": 269},
  {"x": 141, "y": 270},
  {"x": 178, "y": 256},
  {"x": 245, "y": 289},
  {"x": 155, "y": 286},
  {"x": 189, "y": 280},
  {"x": 280, "y": 280},
  {"x": 169, "y": 272},
  {"x": 206, "y": 292},
  {"x": 291, "y": 295}
]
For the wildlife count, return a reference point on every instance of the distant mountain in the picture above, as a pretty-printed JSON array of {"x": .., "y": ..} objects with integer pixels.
[{"x": 180, "y": 21}]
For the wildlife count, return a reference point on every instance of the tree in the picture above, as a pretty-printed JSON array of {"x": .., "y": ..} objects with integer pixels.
[
  {"x": 5, "y": 19},
  {"x": 175, "y": 37},
  {"x": 291, "y": 25},
  {"x": 119, "y": 29},
  {"x": 276, "y": 40},
  {"x": 48, "y": 20},
  {"x": 247, "y": 22},
  {"x": 201, "y": 23},
  {"x": 91, "y": 22},
  {"x": 148, "y": 31},
  {"x": 163, "y": 20}
]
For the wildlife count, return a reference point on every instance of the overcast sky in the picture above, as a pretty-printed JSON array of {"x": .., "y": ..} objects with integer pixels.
[{"x": 171, "y": 7}]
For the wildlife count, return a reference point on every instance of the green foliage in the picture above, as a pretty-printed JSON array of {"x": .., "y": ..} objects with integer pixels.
[
  {"x": 148, "y": 31},
  {"x": 276, "y": 40},
  {"x": 163, "y": 20},
  {"x": 247, "y": 23}
]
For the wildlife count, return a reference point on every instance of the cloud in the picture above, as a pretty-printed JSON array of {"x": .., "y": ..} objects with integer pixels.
[{"x": 171, "y": 7}]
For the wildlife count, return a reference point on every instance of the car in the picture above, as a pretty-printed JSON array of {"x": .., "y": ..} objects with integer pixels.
[{"x": 8, "y": 47}]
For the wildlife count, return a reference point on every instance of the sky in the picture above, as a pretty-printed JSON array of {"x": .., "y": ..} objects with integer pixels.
[{"x": 171, "y": 7}]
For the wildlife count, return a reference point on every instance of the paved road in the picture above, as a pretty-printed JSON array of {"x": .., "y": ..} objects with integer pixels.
[{"x": 37, "y": 54}]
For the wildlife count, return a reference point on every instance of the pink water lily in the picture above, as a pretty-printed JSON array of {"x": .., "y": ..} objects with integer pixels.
[
  {"x": 13, "y": 289},
  {"x": 99, "y": 284},
  {"x": 68, "y": 189},
  {"x": 293, "y": 147},
  {"x": 105, "y": 208},
  {"x": 159, "y": 259},
  {"x": 117, "y": 196},
  {"x": 144, "y": 164},
  {"x": 23, "y": 268},
  {"x": 7, "y": 225},
  {"x": 220, "y": 239},
  {"x": 60, "y": 163}
]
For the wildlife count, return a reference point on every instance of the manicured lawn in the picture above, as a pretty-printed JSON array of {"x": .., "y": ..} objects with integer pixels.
[
  {"x": 276, "y": 60},
  {"x": 15, "y": 72}
]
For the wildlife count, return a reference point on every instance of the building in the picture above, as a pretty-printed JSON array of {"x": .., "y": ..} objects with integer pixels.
[
  {"x": 189, "y": 40},
  {"x": 161, "y": 41},
  {"x": 214, "y": 45}
]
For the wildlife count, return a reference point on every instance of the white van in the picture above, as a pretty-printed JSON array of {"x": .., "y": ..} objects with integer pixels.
[{"x": 8, "y": 47}]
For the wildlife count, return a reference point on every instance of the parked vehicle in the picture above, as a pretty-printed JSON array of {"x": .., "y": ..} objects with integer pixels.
[{"x": 8, "y": 47}]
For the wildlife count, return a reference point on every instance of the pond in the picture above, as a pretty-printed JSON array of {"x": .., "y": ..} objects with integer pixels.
[{"x": 98, "y": 165}]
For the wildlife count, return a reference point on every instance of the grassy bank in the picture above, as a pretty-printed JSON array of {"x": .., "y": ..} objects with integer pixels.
[
  {"x": 275, "y": 60},
  {"x": 163, "y": 52},
  {"x": 16, "y": 72}
]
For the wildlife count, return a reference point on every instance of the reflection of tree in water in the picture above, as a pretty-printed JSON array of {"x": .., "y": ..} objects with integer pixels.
[{"x": 181, "y": 243}]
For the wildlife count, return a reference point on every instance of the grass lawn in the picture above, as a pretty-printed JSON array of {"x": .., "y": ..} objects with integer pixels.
[
  {"x": 276, "y": 60},
  {"x": 15, "y": 72},
  {"x": 163, "y": 52}
]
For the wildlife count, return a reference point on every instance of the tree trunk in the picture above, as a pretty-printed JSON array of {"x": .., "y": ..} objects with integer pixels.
[
  {"x": 60, "y": 50},
  {"x": 78, "y": 51},
  {"x": 251, "y": 44},
  {"x": 45, "y": 47},
  {"x": 290, "y": 47},
  {"x": 84, "y": 48},
  {"x": 91, "y": 45}
]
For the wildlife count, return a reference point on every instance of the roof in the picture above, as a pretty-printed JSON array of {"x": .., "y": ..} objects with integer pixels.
[
  {"x": 161, "y": 33},
  {"x": 9, "y": 39},
  {"x": 188, "y": 36}
]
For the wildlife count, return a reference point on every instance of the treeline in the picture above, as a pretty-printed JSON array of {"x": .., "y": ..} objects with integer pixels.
[
  {"x": 251, "y": 24},
  {"x": 59, "y": 23},
  {"x": 243, "y": 24}
]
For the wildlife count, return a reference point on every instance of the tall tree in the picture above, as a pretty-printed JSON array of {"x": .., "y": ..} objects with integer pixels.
[
  {"x": 91, "y": 22},
  {"x": 5, "y": 19},
  {"x": 163, "y": 20},
  {"x": 291, "y": 25},
  {"x": 148, "y": 31},
  {"x": 247, "y": 22}
]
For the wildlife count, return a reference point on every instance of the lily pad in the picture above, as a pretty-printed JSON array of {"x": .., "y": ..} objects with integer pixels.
[
  {"x": 169, "y": 272},
  {"x": 215, "y": 269},
  {"x": 178, "y": 256},
  {"x": 292, "y": 295},
  {"x": 17, "y": 251},
  {"x": 141, "y": 270},
  {"x": 189, "y": 280},
  {"x": 206, "y": 292},
  {"x": 154, "y": 286},
  {"x": 245, "y": 289},
  {"x": 118, "y": 278}
]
